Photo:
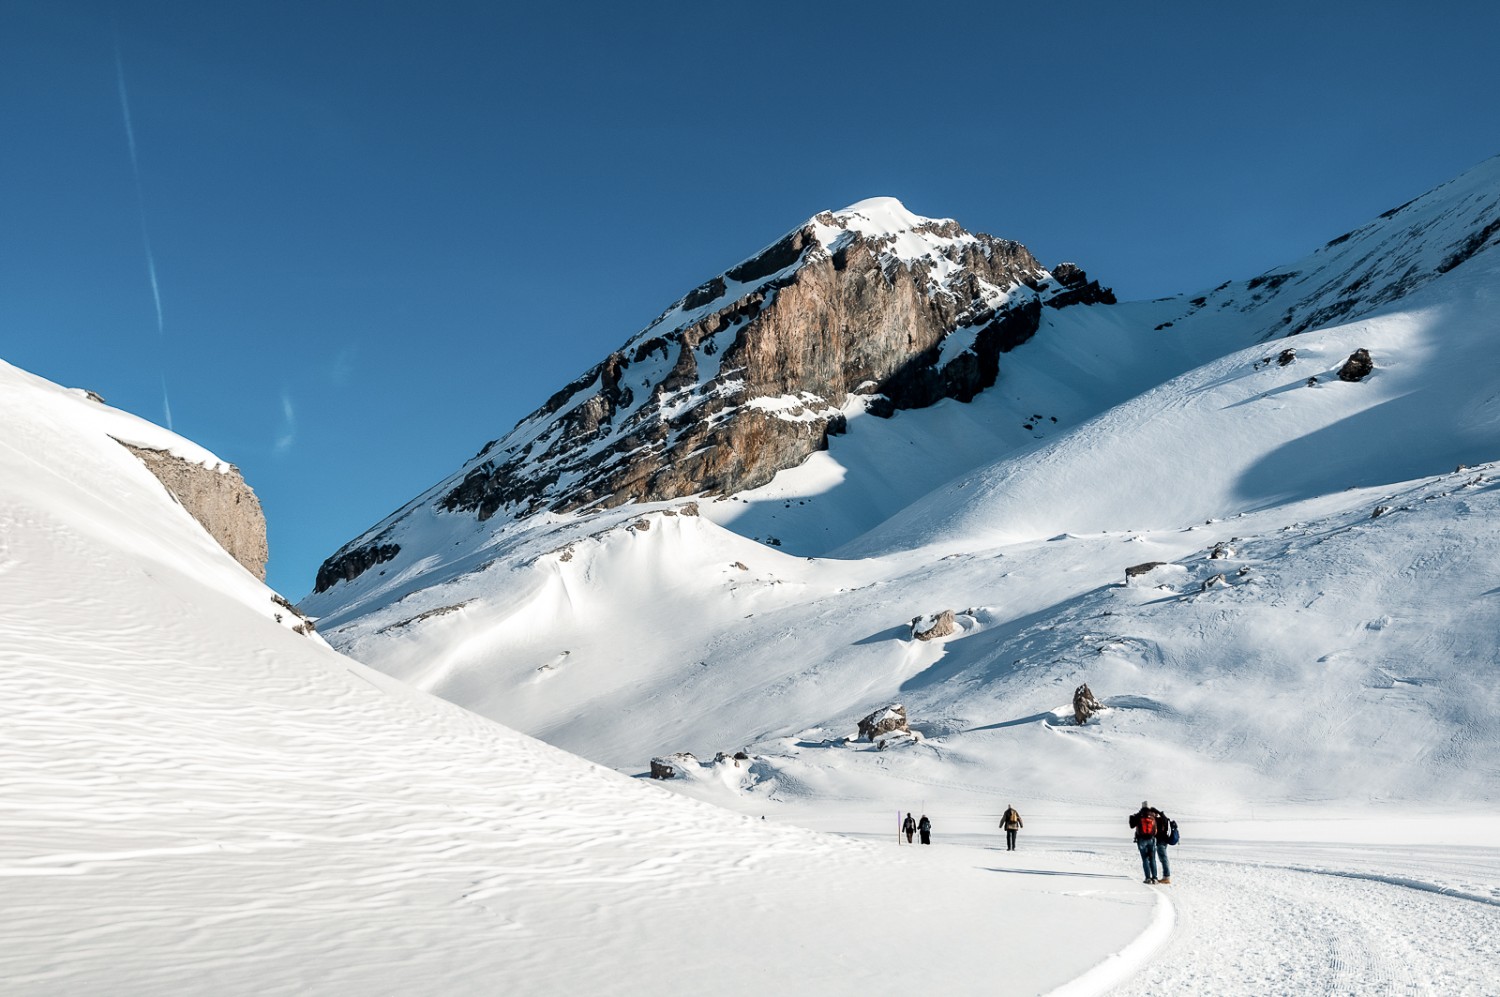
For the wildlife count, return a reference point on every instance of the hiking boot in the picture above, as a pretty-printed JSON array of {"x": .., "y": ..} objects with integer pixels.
[
  {"x": 1165, "y": 881},
  {"x": 1148, "y": 880}
]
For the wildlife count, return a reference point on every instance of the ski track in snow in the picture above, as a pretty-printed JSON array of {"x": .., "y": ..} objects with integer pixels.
[{"x": 1276, "y": 925}]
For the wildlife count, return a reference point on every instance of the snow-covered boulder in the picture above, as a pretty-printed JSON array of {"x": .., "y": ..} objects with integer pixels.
[
  {"x": 932, "y": 627},
  {"x": 885, "y": 721},
  {"x": 671, "y": 766}
]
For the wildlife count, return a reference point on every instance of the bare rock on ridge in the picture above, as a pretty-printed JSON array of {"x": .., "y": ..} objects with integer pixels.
[{"x": 221, "y": 502}]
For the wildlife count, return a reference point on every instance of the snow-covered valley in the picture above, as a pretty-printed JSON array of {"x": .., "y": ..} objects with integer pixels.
[{"x": 444, "y": 789}]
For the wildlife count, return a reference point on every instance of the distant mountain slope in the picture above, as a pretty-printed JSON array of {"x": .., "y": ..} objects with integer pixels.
[
  {"x": 198, "y": 800},
  {"x": 629, "y": 632}
]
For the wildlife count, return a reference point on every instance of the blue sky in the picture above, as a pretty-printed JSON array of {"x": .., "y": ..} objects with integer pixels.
[{"x": 382, "y": 232}]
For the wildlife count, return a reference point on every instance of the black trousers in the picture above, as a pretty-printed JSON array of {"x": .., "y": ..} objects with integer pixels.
[
  {"x": 926, "y": 837},
  {"x": 1010, "y": 839}
]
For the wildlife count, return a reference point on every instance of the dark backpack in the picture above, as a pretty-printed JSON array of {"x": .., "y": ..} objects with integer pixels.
[{"x": 1172, "y": 836}]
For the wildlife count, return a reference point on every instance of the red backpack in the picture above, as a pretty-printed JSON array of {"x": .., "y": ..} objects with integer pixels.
[{"x": 1148, "y": 825}]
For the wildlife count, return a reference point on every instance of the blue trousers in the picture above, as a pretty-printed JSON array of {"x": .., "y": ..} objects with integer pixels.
[
  {"x": 1161, "y": 860},
  {"x": 1148, "y": 856}
]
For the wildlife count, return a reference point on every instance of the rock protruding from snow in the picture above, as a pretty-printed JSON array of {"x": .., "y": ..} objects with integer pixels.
[
  {"x": 1137, "y": 570},
  {"x": 1357, "y": 367},
  {"x": 1084, "y": 704},
  {"x": 933, "y": 627},
  {"x": 891, "y": 719},
  {"x": 671, "y": 766},
  {"x": 219, "y": 499}
]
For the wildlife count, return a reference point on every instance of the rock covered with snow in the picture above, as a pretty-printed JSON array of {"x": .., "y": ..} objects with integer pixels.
[
  {"x": 933, "y": 627},
  {"x": 891, "y": 719},
  {"x": 671, "y": 766}
]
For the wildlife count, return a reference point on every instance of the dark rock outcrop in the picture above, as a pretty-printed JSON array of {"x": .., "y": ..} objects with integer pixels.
[
  {"x": 1136, "y": 570},
  {"x": 1357, "y": 367},
  {"x": 1084, "y": 704},
  {"x": 220, "y": 500},
  {"x": 348, "y": 565},
  {"x": 1078, "y": 289},
  {"x": 889, "y": 720},
  {"x": 670, "y": 766}
]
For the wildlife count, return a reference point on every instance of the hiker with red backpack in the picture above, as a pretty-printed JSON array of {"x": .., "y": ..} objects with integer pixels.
[{"x": 1144, "y": 822}]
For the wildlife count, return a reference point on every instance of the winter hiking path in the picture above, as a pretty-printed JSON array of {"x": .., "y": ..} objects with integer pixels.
[
  {"x": 1268, "y": 918},
  {"x": 1277, "y": 918}
]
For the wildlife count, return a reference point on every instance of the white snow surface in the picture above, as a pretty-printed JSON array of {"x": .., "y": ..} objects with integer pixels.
[
  {"x": 195, "y": 799},
  {"x": 1308, "y": 685}
]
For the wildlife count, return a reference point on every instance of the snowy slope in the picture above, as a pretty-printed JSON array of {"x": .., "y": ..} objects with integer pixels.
[
  {"x": 197, "y": 799},
  {"x": 1347, "y": 666}
]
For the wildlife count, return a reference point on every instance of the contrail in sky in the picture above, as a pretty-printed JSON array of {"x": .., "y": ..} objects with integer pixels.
[{"x": 140, "y": 203}]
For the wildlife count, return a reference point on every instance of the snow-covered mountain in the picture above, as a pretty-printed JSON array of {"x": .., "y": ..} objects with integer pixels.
[
  {"x": 196, "y": 798},
  {"x": 749, "y": 373},
  {"x": 1293, "y": 646}
]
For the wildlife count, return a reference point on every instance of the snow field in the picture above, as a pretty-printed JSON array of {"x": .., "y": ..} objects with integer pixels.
[{"x": 197, "y": 800}]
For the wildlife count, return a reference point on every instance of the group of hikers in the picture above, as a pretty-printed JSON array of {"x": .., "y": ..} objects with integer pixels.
[{"x": 1154, "y": 832}]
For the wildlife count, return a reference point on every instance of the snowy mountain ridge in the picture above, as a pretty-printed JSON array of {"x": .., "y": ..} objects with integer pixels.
[{"x": 743, "y": 377}]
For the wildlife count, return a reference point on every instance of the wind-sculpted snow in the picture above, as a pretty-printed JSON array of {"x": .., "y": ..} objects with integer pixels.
[{"x": 198, "y": 800}]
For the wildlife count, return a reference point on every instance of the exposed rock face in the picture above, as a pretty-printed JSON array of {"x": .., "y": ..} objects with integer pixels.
[
  {"x": 1357, "y": 367},
  {"x": 353, "y": 562},
  {"x": 931, "y": 628},
  {"x": 670, "y": 766},
  {"x": 220, "y": 501},
  {"x": 1084, "y": 704},
  {"x": 870, "y": 308},
  {"x": 892, "y": 718},
  {"x": 1136, "y": 570}
]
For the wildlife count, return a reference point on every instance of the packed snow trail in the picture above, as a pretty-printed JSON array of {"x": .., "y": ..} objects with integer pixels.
[{"x": 1281, "y": 918}]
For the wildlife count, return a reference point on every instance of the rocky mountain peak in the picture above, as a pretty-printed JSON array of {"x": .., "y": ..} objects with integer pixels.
[{"x": 870, "y": 308}]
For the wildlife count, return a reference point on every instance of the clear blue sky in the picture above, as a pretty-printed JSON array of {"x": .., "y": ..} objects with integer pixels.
[{"x": 382, "y": 232}]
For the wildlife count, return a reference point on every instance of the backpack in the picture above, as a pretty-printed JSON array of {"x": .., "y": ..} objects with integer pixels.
[
  {"x": 1148, "y": 825},
  {"x": 1172, "y": 836}
]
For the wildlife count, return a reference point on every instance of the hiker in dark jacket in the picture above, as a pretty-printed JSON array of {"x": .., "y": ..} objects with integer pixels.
[
  {"x": 1163, "y": 839},
  {"x": 1144, "y": 823},
  {"x": 910, "y": 827},
  {"x": 925, "y": 827},
  {"x": 1011, "y": 822}
]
